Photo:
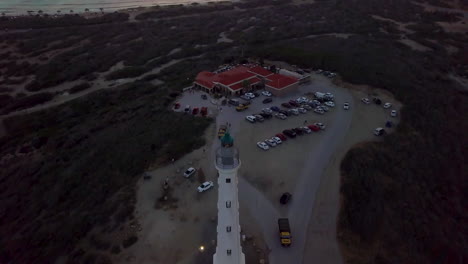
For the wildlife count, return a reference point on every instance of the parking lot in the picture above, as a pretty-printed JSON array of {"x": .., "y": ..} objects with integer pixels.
[{"x": 306, "y": 166}]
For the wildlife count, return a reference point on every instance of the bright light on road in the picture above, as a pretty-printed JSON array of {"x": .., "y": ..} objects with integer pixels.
[{"x": 201, "y": 248}]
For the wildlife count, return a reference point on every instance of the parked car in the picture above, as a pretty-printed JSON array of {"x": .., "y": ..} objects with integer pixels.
[
  {"x": 365, "y": 100},
  {"x": 294, "y": 111},
  {"x": 307, "y": 107},
  {"x": 302, "y": 110},
  {"x": 187, "y": 109},
  {"x": 314, "y": 128},
  {"x": 298, "y": 131},
  {"x": 221, "y": 131},
  {"x": 387, "y": 105},
  {"x": 241, "y": 107},
  {"x": 233, "y": 102},
  {"x": 270, "y": 142},
  {"x": 256, "y": 94},
  {"x": 266, "y": 93},
  {"x": 284, "y": 112},
  {"x": 319, "y": 111},
  {"x": 275, "y": 108},
  {"x": 281, "y": 116},
  {"x": 263, "y": 145},
  {"x": 204, "y": 97},
  {"x": 316, "y": 102},
  {"x": 265, "y": 115},
  {"x": 307, "y": 130},
  {"x": 189, "y": 172},
  {"x": 204, "y": 111},
  {"x": 289, "y": 133},
  {"x": 267, "y": 100},
  {"x": 195, "y": 111},
  {"x": 245, "y": 97},
  {"x": 330, "y": 104},
  {"x": 277, "y": 140},
  {"x": 389, "y": 124},
  {"x": 205, "y": 186},
  {"x": 285, "y": 198},
  {"x": 287, "y": 105},
  {"x": 250, "y": 95},
  {"x": 267, "y": 110},
  {"x": 251, "y": 119},
  {"x": 259, "y": 118},
  {"x": 176, "y": 106},
  {"x": 379, "y": 131},
  {"x": 281, "y": 136},
  {"x": 320, "y": 125},
  {"x": 346, "y": 106},
  {"x": 293, "y": 103},
  {"x": 325, "y": 108},
  {"x": 393, "y": 113}
]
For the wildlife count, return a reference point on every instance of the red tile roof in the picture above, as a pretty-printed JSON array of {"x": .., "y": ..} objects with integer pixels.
[
  {"x": 236, "y": 86},
  {"x": 206, "y": 79},
  {"x": 230, "y": 77},
  {"x": 260, "y": 71},
  {"x": 254, "y": 80},
  {"x": 279, "y": 81}
]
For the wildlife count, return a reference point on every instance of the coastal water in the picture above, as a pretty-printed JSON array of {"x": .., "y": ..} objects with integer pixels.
[{"x": 18, "y": 7}]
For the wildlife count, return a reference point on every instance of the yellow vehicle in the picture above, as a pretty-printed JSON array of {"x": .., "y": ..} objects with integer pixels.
[
  {"x": 285, "y": 232},
  {"x": 221, "y": 131},
  {"x": 241, "y": 107}
]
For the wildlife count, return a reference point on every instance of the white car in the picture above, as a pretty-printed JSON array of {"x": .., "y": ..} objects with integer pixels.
[
  {"x": 317, "y": 102},
  {"x": 267, "y": 111},
  {"x": 189, "y": 172},
  {"x": 307, "y": 130},
  {"x": 205, "y": 186},
  {"x": 307, "y": 107},
  {"x": 379, "y": 131},
  {"x": 330, "y": 104},
  {"x": 294, "y": 111},
  {"x": 319, "y": 111},
  {"x": 393, "y": 113},
  {"x": 302, "y": 110},
  {"x": 365, "y": 100},
  {"x": 266, "y": 93},
  {"x": 270, "y": 142},
  {"x": 263, "y": 145},
  {"x": 346, "y": 106},
  {"x": 325, "y": 108},
  {"x": 277, "y": 140},
  {"x": 321, "y": 125},
  {"x": 387, "y": 105},
  {"x": 250, "y": 95},
  {"x": 251, "y": 119},
  {"x": 281, "y": 116}
]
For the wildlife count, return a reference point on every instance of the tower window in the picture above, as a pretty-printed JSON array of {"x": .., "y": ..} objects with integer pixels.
[
  {"x": 229, "y": 252},
  {"x": 228, "y": 180},
  {"x": 228, "y": 204},
  {"x": 228, "y": 228}
]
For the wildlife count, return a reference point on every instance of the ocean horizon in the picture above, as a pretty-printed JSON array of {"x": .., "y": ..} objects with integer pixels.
[{"x": 21, "y": 7}]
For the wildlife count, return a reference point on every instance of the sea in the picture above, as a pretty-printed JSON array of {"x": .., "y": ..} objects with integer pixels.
[{"x": 21, "y": 7}]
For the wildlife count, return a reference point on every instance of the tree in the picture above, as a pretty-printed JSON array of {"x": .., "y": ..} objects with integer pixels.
[
  {"x": 102, "y": 10},
  {"x": 40, "y": 12},
  {"x": 71, "y": 11},
  {"x": 58, "y": 12},
  {"x": 86, "y": 10},
  {"x": 246, "y": 85}
]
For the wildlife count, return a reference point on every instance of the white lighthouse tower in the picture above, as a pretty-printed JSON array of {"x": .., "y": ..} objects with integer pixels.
[{"x": 228, "y": 248}]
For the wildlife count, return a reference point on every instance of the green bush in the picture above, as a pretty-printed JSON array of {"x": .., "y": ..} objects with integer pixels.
[
  {"x": 127, "y": 72},
  {"x": 129, "y": 241},
  {"x": 79, "y": 87}
]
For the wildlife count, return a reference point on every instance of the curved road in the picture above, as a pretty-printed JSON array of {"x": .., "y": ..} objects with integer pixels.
[{"x": 300, "y": 209}]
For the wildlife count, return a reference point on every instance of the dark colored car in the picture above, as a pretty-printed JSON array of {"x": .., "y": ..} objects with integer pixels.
[
  {"x": 267, "y": 100},
  {"x": 284, "y": 199},
  {"x": 289, "y": 133},
  {"x": 204, "y": 97},
  {"x": 286, "y": 113},
  {"x": 298, "y": 131},
  {"x": 274, "y": 108},
  {"x": 287, "y": 105},
  {"x": 293, "y": 103},
  {"x": 257, "y": 94},
  {"x": 377, "y": 101},
  {"x": 266, "y": 116},
  {"x": 195, "y": 111},
  {"x": 176, "y": 106},
  {"x": 281, "y": 136},
  {"x": 314, "y": 128}
]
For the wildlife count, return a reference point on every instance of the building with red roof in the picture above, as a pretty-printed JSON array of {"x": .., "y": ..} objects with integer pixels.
[{"x": 240, "y": 79}]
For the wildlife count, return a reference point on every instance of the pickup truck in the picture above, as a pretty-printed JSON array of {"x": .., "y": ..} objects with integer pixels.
[
  {"x": 241, "y": 107},
  {"x": 285, "y": 232}
]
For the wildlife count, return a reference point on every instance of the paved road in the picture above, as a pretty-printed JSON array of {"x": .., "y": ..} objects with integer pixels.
[{"x": 300, "y": 209}]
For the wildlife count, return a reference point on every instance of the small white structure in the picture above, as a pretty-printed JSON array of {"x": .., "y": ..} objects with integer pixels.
[{"x": 228, "y": 247}]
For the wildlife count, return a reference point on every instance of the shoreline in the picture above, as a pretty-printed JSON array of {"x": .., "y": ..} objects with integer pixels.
[{"x": 90, "y": 9}]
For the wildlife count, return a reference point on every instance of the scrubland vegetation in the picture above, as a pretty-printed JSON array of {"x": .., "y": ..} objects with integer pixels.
[{"x": 70, "y": 168}]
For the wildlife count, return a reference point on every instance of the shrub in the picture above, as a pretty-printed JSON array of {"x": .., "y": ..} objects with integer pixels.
[
  {"x": 127, "y": 72},
  {"x": 27, "y": 102},
  {"x": 129, "y": 241},
  {"x": 79, "y": 87}
]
